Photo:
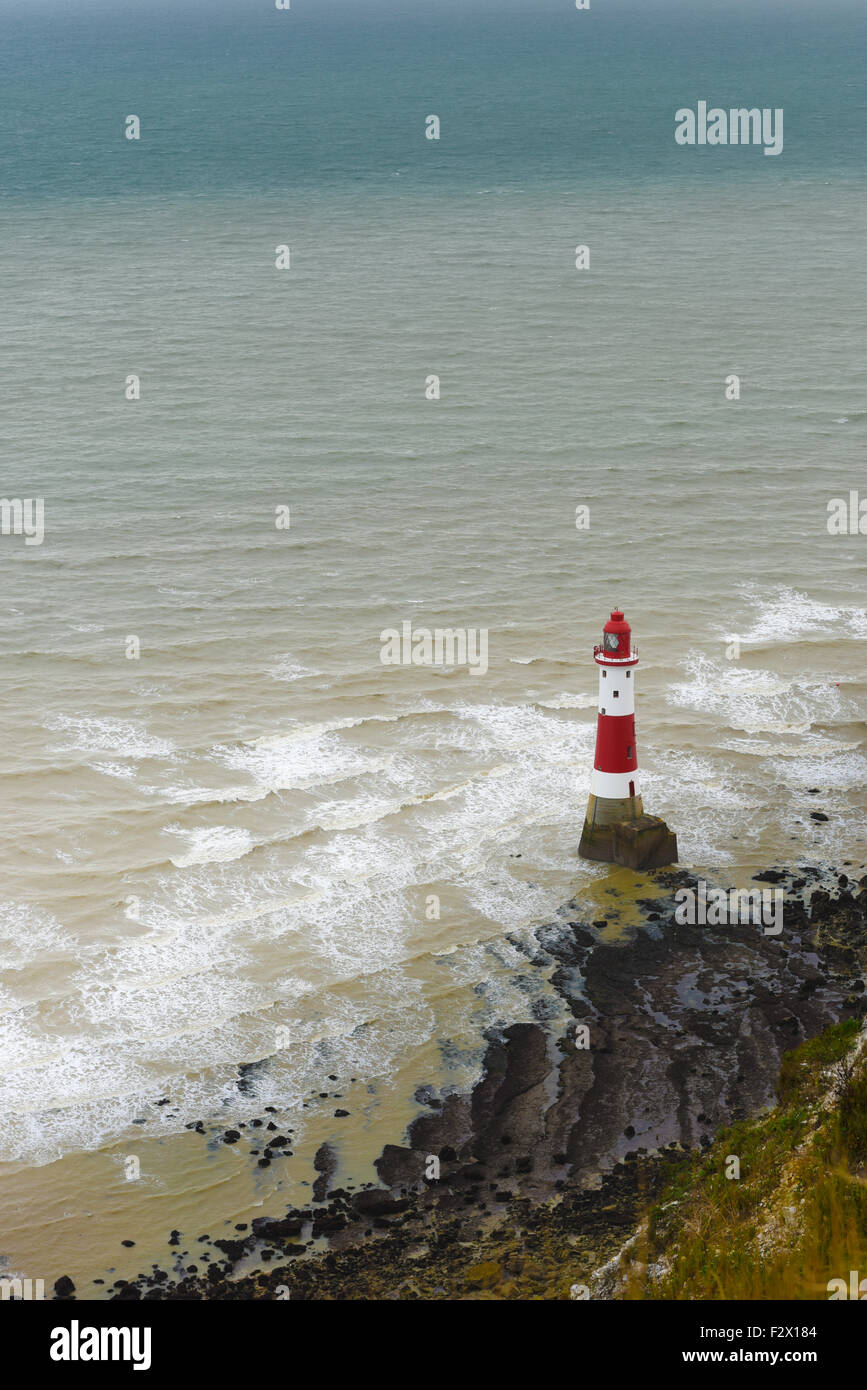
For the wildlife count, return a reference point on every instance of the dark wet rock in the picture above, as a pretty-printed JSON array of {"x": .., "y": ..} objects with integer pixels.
[
  {"x": 273, "y": 1230},
  {"x": 328, "y": 1224},
  {"x": 234, "y": 1250},
  {"x": 325, "y": 1163},
  {"x": 840, "y": 928},
  {"x": 818, "y": 815},
  {"x": 473, "y": 1173},
  {"x": 376, "y": 1202},
  {"x": 231, "y": 1136},
  {"x": 397, "y": 1165},
  {"x": 516, "y": 1069},
  {"x": 64, "y": 1287},
  {"x": 247, "y": 1074},
  {"x": 544, "y": 1009}
]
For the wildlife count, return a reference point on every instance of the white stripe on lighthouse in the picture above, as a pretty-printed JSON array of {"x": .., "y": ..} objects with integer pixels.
[
  {"x": 616, "y": 690},
  {"x": 615, "y": 785}
]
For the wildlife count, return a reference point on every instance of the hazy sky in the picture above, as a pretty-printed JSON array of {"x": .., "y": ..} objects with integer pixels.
[{"x": 429, "y": 9}]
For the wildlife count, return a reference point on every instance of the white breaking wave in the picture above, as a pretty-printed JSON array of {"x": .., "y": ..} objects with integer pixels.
[
  {"x": 122, "y": 738},
  {"x": 521, "y": 728},
  {"x": 286, "y": 668},
  {"x": 789, "y": 616},
  {"x": 213, "y": 844},
  {"x": 206, "y": 796},
  {"x": 296, "y": 761},
  {"x": 566, "y": 701},
  {"x": 703, "y": 803},
  {"x": 308, "y": 731},
  {"x": 755, "y": 701},
  {"x": 815, "y": 746},
  {"x": 841, "y": 771},
  {"x": 28, "y": 935}
]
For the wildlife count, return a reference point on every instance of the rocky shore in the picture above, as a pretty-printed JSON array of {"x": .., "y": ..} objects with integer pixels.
[{"x": 535, "y": 1179}]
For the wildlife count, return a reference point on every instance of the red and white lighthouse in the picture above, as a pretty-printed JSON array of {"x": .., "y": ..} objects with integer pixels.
[{"x": 616, "y": 828}]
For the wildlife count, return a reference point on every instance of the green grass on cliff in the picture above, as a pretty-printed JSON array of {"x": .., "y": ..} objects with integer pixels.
[{"x": 796, "y": 1216}]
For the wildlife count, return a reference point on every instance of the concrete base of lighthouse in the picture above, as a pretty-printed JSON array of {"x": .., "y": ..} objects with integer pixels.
[
  {"x": 608, "y": 810},
  {"x": 636, "y": 842}
]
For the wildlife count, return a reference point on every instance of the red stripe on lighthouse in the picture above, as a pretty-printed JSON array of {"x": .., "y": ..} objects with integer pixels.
[{"x": 615, "y": 743}]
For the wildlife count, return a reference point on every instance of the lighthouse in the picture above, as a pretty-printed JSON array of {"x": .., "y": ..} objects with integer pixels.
[{"x": 616, "y": 828}]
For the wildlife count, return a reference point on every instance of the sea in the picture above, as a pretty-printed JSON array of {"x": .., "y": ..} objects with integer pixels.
[{"x": 233, "y": 837}]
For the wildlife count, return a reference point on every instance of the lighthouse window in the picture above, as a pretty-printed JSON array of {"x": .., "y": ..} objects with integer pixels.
[
  {"x": 604, "y": 674},
  {"x": 629, "y": 750},
  {"x": 611, "y": 641},
  {"x": 628, "y": 674},
  {"x": 616, "y": 694}
]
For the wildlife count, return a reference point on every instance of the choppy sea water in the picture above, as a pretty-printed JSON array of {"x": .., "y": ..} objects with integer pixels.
[{"x": 225, "y": 850}]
